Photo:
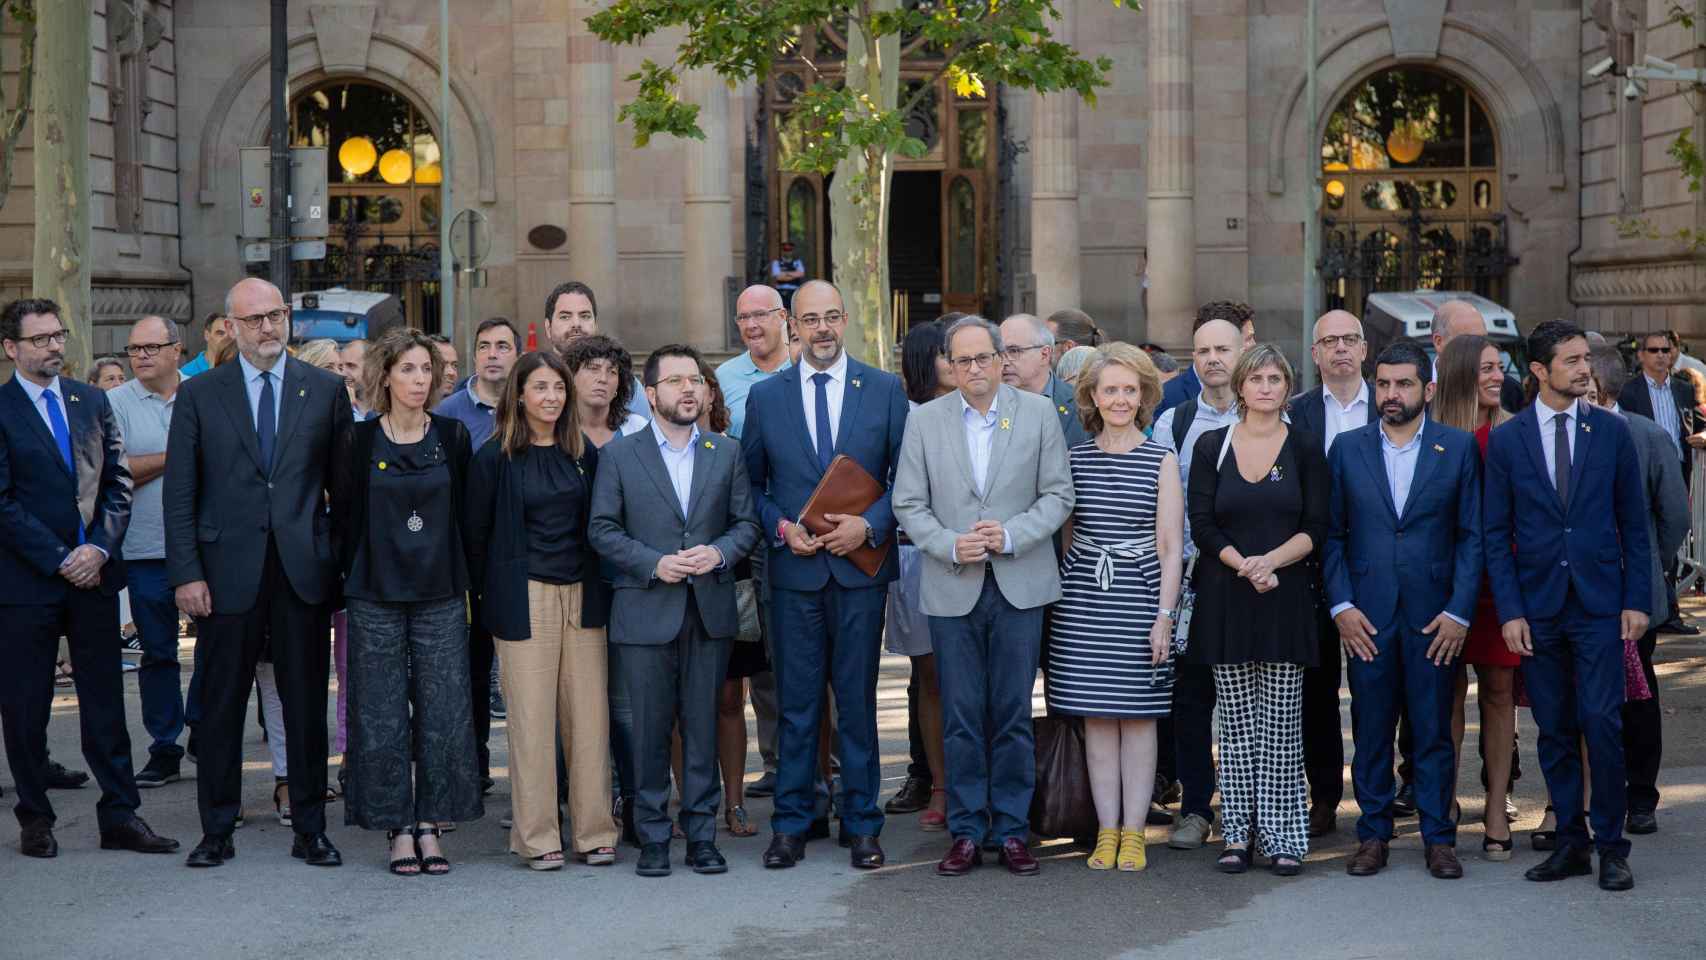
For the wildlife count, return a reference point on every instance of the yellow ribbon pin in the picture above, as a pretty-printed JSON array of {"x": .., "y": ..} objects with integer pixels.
[
  {"x": 381, "y": 464},
  {"x": 1439, "y": 448},
  {"x": 1006, "y": 424},
  {"x": 1062, "y": 408},
  {"x": 302, "y": 393},
  {"x": 854, "y": 381},
  {"x": 709, "y": 446}
]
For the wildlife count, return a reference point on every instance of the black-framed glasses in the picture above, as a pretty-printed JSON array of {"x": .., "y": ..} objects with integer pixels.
[
  {"x": 1013, "y": 354},
  {"x": 41, "y": 340},
  {"x": 812, "y": 321},
  {"x": 147, "y": 349},
  {"x": 1332, "y": 341},
  {"x": 276, "y": 317},
  {"x": 982, "y": 361}
]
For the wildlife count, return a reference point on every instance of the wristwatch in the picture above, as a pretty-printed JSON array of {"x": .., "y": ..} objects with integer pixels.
[{"x": 1172, "y": 614}]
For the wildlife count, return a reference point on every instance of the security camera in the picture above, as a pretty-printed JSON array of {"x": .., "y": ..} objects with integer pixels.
[
  {"x": 1633, "y": 88},
  {"x": 1602, "y": 68},
  {"x": 1659, "y": 63}
]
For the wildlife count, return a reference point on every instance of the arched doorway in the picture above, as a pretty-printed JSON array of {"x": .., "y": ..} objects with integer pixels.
[
  {"x": 1411, "y": 195},
  {"x": 383, "y": 194}
]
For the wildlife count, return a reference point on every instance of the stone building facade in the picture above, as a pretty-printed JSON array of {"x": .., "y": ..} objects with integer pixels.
[{"x": 1462, "y": 144}]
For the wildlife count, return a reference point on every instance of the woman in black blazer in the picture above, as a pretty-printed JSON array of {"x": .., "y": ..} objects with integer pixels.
[
  {"x": 397, "y": 502},
  {"x": 541, "y": 597}
]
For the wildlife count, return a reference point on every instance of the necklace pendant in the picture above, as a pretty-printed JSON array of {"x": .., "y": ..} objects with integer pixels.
[{"x": 415, "y": 524}]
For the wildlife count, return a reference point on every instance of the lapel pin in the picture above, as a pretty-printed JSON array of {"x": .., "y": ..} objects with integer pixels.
[
  {"x": 381, "y": 464},
  {"x": 1006, "y": 424},
  {"x": 302, "y": 392},
  {"x": 1062, "y": 408},
  {"x": 854, "y": 381},
  {"x": 709, "y": 445},
  {"x": 1586, "y": 428},
  {"x": 1275, "y": 474},
  {"x": 1439, "y": 448},
  {"x": 74, "y": 398}
]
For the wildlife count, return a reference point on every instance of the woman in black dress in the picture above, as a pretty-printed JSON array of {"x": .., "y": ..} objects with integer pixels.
[
  {"x": 397, "y": 496},
  {"x": 1257, "y": 502}
]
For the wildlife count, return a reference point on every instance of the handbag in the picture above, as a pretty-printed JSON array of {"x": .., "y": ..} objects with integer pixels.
[
  {"x": 1062, "y": 805},
  {"x": 1187, "y": 583},
  {"x": 746, "y": 610}
]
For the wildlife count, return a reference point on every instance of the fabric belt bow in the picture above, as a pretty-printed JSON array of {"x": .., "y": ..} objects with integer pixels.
[{"x": 1106, "y": 552}]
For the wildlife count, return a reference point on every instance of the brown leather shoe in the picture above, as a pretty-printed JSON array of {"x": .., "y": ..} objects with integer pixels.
[
  {"x": 1443, "y": 863},
  {"x": 962, "y": 857},
  {"x": 1322, "y": 820},
  {"x": 1369, "y": 858},
  {"x": 1018, "y": 859}
]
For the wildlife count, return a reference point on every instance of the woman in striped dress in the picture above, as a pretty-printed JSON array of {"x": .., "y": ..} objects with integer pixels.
[{"x": 1112, "y": 630}]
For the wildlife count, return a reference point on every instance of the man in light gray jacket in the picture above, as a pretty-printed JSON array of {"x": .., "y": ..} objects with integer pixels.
[
  {"x": 672, "y": 512},
  {"x": 983, "y": 506}
]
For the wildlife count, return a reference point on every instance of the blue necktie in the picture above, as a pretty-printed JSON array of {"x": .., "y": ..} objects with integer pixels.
[
  {"x": 62, "y": 439},
  {"x": 266, "y": 421},
  {"x": 825, "y": 441}
]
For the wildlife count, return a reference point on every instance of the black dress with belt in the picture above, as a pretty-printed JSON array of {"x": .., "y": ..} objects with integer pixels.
[{"x": 1232, "y": 623}]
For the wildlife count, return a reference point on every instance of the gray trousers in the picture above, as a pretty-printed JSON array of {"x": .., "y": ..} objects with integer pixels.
[{"x": 409, "y": 711}]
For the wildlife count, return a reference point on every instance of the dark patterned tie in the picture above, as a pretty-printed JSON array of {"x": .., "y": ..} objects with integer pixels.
[
  {"x": 266, "y": 421},
  {"x": 1561, "y": 457}
]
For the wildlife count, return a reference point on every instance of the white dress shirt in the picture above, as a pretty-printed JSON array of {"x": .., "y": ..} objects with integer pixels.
[
  {"x": 1546, "y": 415},
  {"x": 1347, "y": 417},
  {"x": 1665, "y": 413},
  {"x": 980, "y": 439},
  {"x": 35, "y": 394},
  {"x": 834, "y": 390},
  {"x": 252, "y": 384},
  {"x": 678, "y": 463}
]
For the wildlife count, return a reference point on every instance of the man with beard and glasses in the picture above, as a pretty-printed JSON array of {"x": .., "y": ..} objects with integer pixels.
[
  {"x": 1565, "y": 513},
  {"x": 672, "y": 512},
  {"x": 1403, "y": 563},
  {"x": 828, "y": 613},
  {"x": 65, "y": 501}
]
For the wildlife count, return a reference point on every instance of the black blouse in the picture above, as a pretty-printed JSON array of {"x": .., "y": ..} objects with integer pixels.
[
  {"x": 554, "y": 499},
  {"x": 409, "y": 551}
]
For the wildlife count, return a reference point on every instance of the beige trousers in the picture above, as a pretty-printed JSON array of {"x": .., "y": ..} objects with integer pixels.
[{"x": 557, "y": 681}]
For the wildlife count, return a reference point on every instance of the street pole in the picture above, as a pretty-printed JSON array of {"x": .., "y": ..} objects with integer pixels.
[
  {"x": 279, "y": 140},
  {"x": 1311, "y": 197},
  {"x": 446, "y": 206}
]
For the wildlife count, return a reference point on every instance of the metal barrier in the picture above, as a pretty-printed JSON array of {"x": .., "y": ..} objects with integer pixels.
[{"x": 1691, "y": 559}]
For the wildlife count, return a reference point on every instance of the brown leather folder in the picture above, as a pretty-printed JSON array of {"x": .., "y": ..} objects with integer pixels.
[{"x": 846, "y": 489}]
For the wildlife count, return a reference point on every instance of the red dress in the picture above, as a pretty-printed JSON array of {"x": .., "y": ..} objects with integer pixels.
[{"x": 1486, "y": 644}]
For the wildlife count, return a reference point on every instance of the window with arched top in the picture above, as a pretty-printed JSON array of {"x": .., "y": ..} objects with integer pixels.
[{"x": 962, "y": 236}]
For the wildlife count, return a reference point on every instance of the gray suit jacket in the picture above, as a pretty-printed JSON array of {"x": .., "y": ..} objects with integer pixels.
[
  {"x": 1667, "y": 525},
  {"x": 1028, "y": 488},
  {"x": 636, "y": 519}
]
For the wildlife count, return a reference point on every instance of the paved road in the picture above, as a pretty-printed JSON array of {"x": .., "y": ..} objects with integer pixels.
[{"x": 95, "y": 904}]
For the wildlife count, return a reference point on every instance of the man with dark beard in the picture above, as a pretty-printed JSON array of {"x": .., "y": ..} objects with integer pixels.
[{"x": 1403, "y": 563}]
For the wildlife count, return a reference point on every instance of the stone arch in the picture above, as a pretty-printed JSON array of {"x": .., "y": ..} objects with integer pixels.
[
  {"x": 1526, "y": 116},
  {"x": 238, "y": 116}
]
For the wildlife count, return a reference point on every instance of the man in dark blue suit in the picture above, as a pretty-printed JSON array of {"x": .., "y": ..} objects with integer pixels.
[
  {"x": 64, "y": 506},
  {"x": 827, "y": 614},
  {"x": 1568, "y": 555},
  {"x": 1403, "y": 564}
]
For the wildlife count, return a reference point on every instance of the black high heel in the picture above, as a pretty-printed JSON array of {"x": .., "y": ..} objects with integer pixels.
[
  {"x": 433, "y": 866},
  {"x": 403, "y": 866}
]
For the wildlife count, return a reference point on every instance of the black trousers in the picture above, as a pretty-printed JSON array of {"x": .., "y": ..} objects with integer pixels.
[
  {"x": 1193, "y": 737},
  {"x": 1323, "y": 737},
  {"x": 29, "y": 645},
  {"x": 298, "y": 634},
  {"x": 918, "y": 764},
  {"x": 481, "y": 652},
  {"x": 1642, "y": 736}
]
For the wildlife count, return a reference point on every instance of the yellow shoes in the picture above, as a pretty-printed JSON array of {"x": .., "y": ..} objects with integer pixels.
[
  {"x": 1132, "y": 856},
  {"x": 1107, "y": 847}
]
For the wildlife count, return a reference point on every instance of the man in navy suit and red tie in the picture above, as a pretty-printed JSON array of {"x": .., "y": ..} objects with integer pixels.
[
  {"x": 827, "y": 613},
  {"x": 1568, "y": 555},
  {"x": 64, "y": 507}
]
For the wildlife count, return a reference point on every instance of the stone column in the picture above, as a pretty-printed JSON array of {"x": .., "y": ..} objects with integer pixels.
[
  {"x": 592, "y": 164},
  {"x": 1172, "y": 234},
  {"x": 708, "y": 231},
  {"x": 1054, "y": 192}
]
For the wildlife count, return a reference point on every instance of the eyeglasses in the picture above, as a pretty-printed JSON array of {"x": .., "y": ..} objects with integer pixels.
[
  {"x": 1661, "y": 350},
  {"x": 1014, "y": 354},
  {"x": 982, "y": 361},
  {"x": 677, "y": 382},
  {"x": 276, "y": 317},
  {"x": 148, "y": 349},
  {"x": 756, "y": 315},
  {"x": 41, "y": 340},
  {"x": 812, "y": 321},
  {"x": 1332, "y": 342}
]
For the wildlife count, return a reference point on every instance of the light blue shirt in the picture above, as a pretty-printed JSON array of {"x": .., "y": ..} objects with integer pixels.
[
  {"x": 144, "y": 420},
  {"x": 678, "y": 464},
  {"x": 736, "y": 376},
  {"x": 252, "y": 386},
  {"x": 199, "y": 365},
  {"x": 1546, "y": 415},
  {"x": 980, "y": 439},
  {"x": 1664, "y": 410}
]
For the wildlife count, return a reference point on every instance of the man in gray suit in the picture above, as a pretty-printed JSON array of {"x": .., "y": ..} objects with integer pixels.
[
  {"x": 672, "y": 511},
  {"x": 1667, "y": 527},
  {"x": 983, "y": 507}
]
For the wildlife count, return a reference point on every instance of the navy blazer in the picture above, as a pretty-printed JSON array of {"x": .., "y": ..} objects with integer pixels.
[
  {"x": 1635, "y": 399},
  {"x": 1537, "y": 550},
  {"x": 1066, "y": 407},
  {"x": 782, "y": 465},
  {"x": 41, "y": 502},
  {"x": 1308, "y": 411},
  {"x": 1425, "y": 562}
]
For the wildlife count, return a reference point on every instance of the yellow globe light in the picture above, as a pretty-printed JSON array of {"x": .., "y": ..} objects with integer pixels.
[
  {"x": 1403, "y": 145},
  {"x": 1335, "y": 188},
  {"x": 429, "y": 173},
  {"x": 1336, "y": 167},
  {"x": 357, "y": 155},
  {"x": 396, "y": 166}
]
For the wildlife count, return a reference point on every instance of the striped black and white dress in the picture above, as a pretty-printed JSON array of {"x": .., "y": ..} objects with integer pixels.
[{"x": 1098, "y": 653}]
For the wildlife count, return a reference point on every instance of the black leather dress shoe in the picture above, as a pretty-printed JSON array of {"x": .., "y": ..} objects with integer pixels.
[
  {"x": 1614, "y": 873},
  {"x": 316, "y": 849},
  {"x": 867, "y": 853},
  {"x": 785, "y": 850},
  {"x": 58, "y": 777},
  {"x": 38, "y": 842},
  {"x": 1641, "y": 822},
  {"x": 1404, "y": 802},
  {"x": 137, "y": 837},
  {"x": 211, "y": 852},
  {"x": 1565, "y": 862},
  {"x": 653, "y": 861},
  {"x": 913, "y": 796},
  {"x": 704, "y": 857}
]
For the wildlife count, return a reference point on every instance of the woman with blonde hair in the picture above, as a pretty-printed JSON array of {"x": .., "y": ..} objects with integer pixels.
[
  {"x": 322, "y": 353},
  {"x": 1111, "y": 634}
]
